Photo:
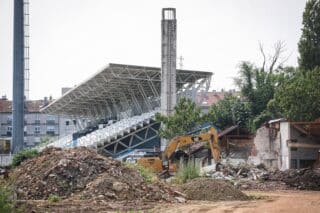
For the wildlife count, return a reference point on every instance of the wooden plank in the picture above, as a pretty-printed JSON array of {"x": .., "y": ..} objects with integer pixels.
[{"x": 304, "y": 145}]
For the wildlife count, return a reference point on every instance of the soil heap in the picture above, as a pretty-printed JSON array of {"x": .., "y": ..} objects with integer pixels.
[
  {"x": 83, "y": 173},
  {"x": 212, "y": 190}
]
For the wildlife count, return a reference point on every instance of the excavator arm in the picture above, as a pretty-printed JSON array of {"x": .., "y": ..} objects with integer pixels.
[{"x": 181, "y": 141}]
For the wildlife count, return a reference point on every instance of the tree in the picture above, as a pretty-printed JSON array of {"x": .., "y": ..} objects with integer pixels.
[
  {"x": 258, "y": 84},
  {"x": 185, "y": 117},
  {"x": 309, "y": 44},
  {"x": 229, "y": 111},
  {"x": 298, "y": 97}
]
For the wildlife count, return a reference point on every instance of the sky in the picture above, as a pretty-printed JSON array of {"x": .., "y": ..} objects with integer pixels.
[{"x": 71, "y": 40}]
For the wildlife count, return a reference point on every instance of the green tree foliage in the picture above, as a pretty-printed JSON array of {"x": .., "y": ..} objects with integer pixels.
[
  {"x": 298, "y": 97},
  {"x": 229, "y": 111},
  {"x": 6, "y": 203},
  {"x": 23, "y": 155},
  {"x": 257, "y": 86},
  {"x": 309, "y": 44},
  {"x": 185, "y": 117}
]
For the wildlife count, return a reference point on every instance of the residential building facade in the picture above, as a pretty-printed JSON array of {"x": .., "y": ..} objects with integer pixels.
[{"x": 38, "y": 126}]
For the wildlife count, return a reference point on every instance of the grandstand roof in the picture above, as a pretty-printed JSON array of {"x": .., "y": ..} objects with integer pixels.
[{"x": 116, "y": 87}]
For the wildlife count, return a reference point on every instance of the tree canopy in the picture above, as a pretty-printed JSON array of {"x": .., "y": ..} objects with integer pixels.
[
  {"x": 298, "y": 98},
  {"x": 229, "y": 111},
  {"x": 309, "y": 44},
  {"x": 185, "y": 117}
]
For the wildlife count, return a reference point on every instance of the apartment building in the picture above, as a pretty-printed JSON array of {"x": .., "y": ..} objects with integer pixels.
[{"x": 38, "y": 126}]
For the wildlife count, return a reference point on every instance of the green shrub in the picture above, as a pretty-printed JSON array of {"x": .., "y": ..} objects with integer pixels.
[
  {"x": 187, "y": 172},
  {"x": 54, "y": 198},
  {"x": 6, "y": 204},
  {"x": 24, "y": 155},
  {"x": 148, "y": 175}
]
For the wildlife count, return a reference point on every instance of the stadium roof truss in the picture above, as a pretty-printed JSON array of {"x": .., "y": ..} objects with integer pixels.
[{"x": 119, "y": 88}]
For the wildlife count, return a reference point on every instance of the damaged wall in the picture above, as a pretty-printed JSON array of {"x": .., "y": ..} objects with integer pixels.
[
  {"x": 266, "y": 148},
  {"x": 284, "y": 146}
]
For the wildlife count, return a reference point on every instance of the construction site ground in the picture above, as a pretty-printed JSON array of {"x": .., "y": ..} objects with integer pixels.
[
  {"x": 272, "y": 201},
  {"x": 81, "y": 180},
  {"x": 275, "y": 201}
]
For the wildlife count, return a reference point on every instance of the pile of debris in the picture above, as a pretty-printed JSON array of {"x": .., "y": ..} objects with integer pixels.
[
  {"x": 81, "y": 171},
  {"x": 232, "y": 172},
  {"x": 211, "y": 190},
  {"x": 127, "y": 185},
  {"x": 303, "y": 179},
  {"x": 248, "y": 177}
]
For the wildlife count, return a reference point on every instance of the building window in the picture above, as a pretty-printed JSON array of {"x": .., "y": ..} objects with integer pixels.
[
  {"x": 51, "y": 130},
  {"x": 50, "y": 119},
  {"x": 37, "y": 130},
  {"x": 9, "y": 130},
  {"x": 25, "y": 131},
  {"x": 4, "y": 146},
  {"x": 294, "y": 164},
  {"x": 37, "y": 120},
  {"x": 9, "y": 119}
]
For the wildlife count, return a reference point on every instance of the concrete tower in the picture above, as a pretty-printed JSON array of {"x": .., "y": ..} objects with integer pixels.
[
  {"x": 168, "y": 60},
  {"x": 18, "y": 77}
]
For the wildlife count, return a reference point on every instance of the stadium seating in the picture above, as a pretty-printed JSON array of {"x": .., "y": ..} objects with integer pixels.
[{"x": 106, "y": 134}]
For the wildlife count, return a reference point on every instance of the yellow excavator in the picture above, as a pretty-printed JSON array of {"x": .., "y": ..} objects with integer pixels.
[{"x": 165, "y": 164}]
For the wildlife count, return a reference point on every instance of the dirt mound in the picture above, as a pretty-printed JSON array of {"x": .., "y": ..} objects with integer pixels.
[
  {"x": 83, "y": 172},
  {"x": 212, "y": 190},
  {"x": 129, "y": 185},
  {"x": 305, "y": 179}
]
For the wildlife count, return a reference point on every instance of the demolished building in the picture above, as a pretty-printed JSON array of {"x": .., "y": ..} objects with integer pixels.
[{"x": 284, "y": 144}]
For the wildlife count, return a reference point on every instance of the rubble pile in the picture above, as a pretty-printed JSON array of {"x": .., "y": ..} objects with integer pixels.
[
  {"x": 211, "y": 190},
  {"x": 250, "y": 177},
  {"x": 304, "y": 179},
  {"x": 242, "y": 171},
  {"x": 128, "y": 184},
  {"x": 81, "y": 171}
]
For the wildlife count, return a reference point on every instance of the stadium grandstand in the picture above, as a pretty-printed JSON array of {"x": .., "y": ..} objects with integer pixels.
[{"x": 115, "y": 108}]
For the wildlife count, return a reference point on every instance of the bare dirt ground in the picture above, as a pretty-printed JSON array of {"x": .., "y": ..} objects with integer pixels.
[
  {"x": 269, "y": 202},
  {"x": 280, "y": 201}
]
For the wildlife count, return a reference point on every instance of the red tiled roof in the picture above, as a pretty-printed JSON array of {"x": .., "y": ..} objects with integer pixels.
[
  {"x": 209, "y": 98},
  {"x": 31, "y": 106},
  {"x": 5, "y": 106}
]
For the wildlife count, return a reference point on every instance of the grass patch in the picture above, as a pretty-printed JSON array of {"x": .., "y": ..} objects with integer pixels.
[
  {"x": 148, "y": 174},
  {"x": 23, "y": 155},
  {"x": 54, "y": 198},
  {"x": 257, "y": 197},
  {"x": 6, "y": 203},
  {"x": 187, "y": 172}
]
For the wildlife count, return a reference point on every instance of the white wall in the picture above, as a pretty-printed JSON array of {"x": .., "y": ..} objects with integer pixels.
[{"x": 284, "y": 150}]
